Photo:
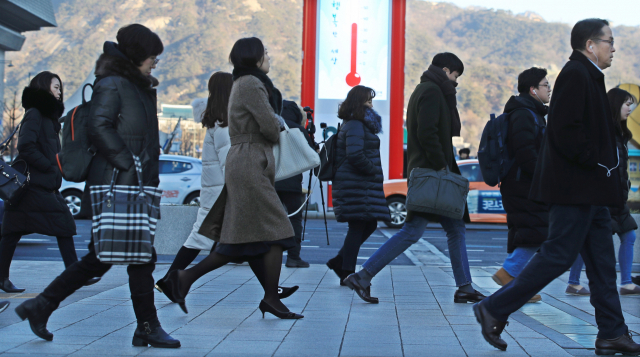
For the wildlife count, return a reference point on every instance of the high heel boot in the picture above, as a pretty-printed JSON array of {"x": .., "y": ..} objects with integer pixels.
[
  {"x": 151, "y": 333},
  {"x": 38, "y": 311},
  {"x": 171, "y": 289},
  {"x": 286, "y": 315}
]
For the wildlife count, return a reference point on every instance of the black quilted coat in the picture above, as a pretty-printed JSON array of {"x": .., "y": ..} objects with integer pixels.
[
  {"x": 357, "y": 186},
  {"x": 528, "y": 221},
  {"x": 42, "y": 209},
  {"x": 123, "y": 121}
]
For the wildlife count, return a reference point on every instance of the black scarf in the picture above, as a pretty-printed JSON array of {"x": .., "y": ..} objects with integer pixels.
[
  {"x": 275, "y": 98},
  {"x": 448, "y": 88}
]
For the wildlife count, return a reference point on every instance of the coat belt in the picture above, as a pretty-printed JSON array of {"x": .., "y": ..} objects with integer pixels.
[{"x": 249, "y": 138}]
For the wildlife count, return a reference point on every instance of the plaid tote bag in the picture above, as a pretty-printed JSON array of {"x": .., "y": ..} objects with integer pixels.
[{"x": 124, "y": 220}]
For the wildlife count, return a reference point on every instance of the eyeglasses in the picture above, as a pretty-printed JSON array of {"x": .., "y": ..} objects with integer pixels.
[
  {"x": 610, "y": 42},
  {"x": 545, "y": 85},
  {"x": 155, "y": 61}
]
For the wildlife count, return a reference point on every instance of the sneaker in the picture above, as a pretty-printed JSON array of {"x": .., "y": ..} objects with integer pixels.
[
  {"x": 630, "y": 289},
  {"x": 577, "y": 290},
  {"x": 296, "y": 263}
]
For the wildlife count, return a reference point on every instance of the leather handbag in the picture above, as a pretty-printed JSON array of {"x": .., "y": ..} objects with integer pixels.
[
  {"x": 14, "y": 178},
  {"x": 443, "y": 192},
  {"x": 293, "y": 154}
]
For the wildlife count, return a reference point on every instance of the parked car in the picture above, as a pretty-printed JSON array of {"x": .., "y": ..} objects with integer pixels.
[
  {"x": 484, "y": 201},
  {"x": 179, "y": 181}
]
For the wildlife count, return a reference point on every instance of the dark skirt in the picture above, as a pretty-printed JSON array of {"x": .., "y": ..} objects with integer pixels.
[{"x": 248, "y": 251}]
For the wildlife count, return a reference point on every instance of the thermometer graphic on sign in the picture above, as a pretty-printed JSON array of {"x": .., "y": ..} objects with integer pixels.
[{"x": 353, "y": 78}]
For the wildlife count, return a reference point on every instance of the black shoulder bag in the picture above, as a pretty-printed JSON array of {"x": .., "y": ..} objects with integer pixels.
[{"x": 13, "y": 182}]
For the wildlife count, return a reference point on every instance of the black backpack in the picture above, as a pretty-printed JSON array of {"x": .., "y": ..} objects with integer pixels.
[
  {"x": 328, "y": 165},
  {"x": 77, "y": 152},
  {"x": 493, "y": 156}
]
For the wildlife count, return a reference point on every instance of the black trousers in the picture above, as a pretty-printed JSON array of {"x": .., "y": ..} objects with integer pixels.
[
  {"x": 75, "y": 276},
  {"x": 573, "y": 230},
  {"x": 359, "y": 231},
  {"x": 8, "y": 244},
  {"x": 292, "y": 201}
]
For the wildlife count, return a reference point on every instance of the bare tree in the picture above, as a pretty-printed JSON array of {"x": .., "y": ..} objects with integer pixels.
[{"x": 13, "y": 113}]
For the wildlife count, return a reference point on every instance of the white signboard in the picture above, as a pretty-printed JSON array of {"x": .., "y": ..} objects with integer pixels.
[{"x": 353, "y": 47}]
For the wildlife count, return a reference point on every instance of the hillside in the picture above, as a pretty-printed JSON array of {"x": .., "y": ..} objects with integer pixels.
[{"x": 198, "y": 34}]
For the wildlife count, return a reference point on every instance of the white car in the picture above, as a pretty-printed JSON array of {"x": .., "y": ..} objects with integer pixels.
[{"x": 179, "y": 181}]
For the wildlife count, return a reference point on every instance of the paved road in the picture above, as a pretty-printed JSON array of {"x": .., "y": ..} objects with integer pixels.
[{"x": 486, "y": 243}]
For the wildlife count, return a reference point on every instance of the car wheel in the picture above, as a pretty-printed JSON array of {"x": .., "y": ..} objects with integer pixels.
[
  {"x": 73, "y": 199},
  {"x": 193, "y": 199},
  {"x": 398, "y": 211}
]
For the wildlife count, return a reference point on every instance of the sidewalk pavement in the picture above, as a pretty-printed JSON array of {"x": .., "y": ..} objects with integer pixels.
[{"x": 416, "y": 316}]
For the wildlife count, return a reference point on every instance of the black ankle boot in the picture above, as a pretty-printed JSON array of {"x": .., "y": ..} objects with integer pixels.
[
  {"x": 38, "y": 311},
  {"x": 151, "y": 333}
]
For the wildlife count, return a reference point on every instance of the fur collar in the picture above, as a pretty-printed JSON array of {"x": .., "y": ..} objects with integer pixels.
[
  {"x": 45, "y": 102},
  {"x": 373, "y": 121},
  {"x": 113, "y": 63}
]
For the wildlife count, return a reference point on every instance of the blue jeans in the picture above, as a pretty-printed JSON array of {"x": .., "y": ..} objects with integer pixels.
[
  {"x": 518, "y": 259},
  {"x": 410, "y": 233},
  {"x": 625, "y": 258}
]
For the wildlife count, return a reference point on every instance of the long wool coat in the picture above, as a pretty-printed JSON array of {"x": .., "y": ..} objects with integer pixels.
[
  {"x": 42, "y": 209},
  {"x": 249, "y": 210},
  {"x": 214, "y": 156}
]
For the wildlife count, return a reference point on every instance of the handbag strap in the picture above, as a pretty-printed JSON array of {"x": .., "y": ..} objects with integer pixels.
[
  {"x": 138, "y": 165},
  {"x": 5, "y": 144}
]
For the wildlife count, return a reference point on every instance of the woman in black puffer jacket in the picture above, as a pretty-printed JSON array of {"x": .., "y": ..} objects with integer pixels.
[
  {"x": 358, "y": 195},
  {"x": 123, "y": 122},
  {"x": 42, "y": 209}
]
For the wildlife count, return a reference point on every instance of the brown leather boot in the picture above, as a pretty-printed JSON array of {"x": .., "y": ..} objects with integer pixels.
[{"x": 501, "y": 277}]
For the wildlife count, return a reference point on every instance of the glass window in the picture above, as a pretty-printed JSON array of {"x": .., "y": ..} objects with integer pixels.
[
  {"x": 471, "y": 172},
  {"x": 174, "y": 167}
]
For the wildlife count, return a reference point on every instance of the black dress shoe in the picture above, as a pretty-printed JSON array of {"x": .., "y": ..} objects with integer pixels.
[
  {"x": 284, "y": 293},
  {"x": 91, "y": 281},
  {"x": 636, "y": 280},
  {"x": 286, "y": 315},
  {"x": 623, "y": 344},
  {"x": 151, "y": 333},
  {"x": 353, "y": 282},
  {"x": 461, "y": 297},
  {"x": 7, "y": 286},
  {"x": 491, "y": 328},
  {"x": 38, "y": 311}
]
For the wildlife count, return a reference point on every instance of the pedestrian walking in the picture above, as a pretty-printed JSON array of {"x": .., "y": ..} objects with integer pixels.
[
  {"x": 576, "y": 174},
  {"x": 622, "y": 223},
  {"x": 248, "y": 220},
  {"x": 290, "y": 190},
  {"x": 214, "y": 156},
  {"x": 357, "y": 190},
  {"x": 42, "y": 209},
  {"x": 432, "y": 120},
  {"x": 527, "y": 220},
  {"x": 123, "y": 123}
]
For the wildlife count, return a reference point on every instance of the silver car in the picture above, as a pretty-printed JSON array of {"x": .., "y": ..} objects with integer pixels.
[{"x": 179, "y": 181}]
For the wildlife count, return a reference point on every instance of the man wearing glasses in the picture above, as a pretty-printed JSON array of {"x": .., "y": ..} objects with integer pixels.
[{"x": 576, "y": 176}]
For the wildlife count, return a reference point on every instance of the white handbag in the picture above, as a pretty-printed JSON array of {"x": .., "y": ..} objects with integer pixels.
[{"x": 293, "y": 154}]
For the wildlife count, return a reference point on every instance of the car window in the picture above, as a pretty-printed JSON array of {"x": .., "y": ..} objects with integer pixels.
[
  {"x": 174, "y": 167},
  {"x": 471, "y": 172}
]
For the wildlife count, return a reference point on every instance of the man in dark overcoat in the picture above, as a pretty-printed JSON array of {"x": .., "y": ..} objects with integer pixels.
[
  {"x": 432, "y": 120},
  {"x": 576, "y": 175}
]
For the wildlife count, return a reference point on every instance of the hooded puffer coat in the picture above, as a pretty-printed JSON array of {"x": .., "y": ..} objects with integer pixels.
[
  {"x": 124, "y": 121},
  {"x": 528, "y": 220},
  {"x": 357, "y": 188},
  {"x": 42, "y": 209}
]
